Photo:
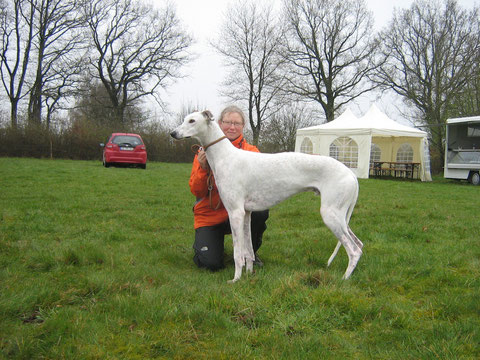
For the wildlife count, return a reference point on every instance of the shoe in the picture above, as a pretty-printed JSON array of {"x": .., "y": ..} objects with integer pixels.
[{"x": 257, "y": 262}]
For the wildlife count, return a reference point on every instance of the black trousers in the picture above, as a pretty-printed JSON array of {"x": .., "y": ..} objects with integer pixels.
[{"x": 209, "y": 241}]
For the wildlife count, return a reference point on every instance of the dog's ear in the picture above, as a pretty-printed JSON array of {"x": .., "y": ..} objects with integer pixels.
[{"x": 208, "y": 115}]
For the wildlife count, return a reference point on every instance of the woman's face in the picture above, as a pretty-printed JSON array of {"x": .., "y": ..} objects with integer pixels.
[{"x": 232, "y": 125}]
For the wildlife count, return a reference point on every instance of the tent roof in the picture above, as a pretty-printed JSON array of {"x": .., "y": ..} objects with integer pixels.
[
  {"x": 374, "y": 122},
  {"x": 344, "y": 121},
  {"x": 463, "y": 120}
]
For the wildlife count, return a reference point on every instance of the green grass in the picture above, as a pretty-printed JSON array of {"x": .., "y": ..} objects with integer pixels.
[{"x": 97, "y": 263}]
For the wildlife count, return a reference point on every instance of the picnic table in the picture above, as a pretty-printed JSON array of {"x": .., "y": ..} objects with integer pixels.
[{"x": 395, "y": 169}]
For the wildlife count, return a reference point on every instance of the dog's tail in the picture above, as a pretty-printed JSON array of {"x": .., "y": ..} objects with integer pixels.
[{"x": 353, "y": 201}]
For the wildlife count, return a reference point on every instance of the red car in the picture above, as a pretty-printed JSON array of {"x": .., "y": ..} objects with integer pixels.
[{"x": 123, "y": 148}]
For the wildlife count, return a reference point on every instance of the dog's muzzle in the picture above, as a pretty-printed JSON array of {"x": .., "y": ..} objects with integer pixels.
[{"x": 177, "y": 136}]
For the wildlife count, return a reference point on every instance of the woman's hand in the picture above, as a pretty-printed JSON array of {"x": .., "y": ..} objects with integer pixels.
[{"x": 202, "y": 159}]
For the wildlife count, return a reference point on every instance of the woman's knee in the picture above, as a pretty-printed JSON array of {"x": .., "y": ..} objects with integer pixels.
[
  {"x": 207, "y": 261},
  {"x": 209, "y": 248}
]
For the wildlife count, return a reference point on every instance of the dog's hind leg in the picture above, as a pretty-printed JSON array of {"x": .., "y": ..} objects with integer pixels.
[
  {"x": 335, "y": 220},
  {"x": 334, "y": 253},
  {"x": 354, "y": 254},
  {"x": 353, "y": 236}
]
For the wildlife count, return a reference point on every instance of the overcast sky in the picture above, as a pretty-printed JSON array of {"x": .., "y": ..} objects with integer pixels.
[{"x": 205, "y": 74}]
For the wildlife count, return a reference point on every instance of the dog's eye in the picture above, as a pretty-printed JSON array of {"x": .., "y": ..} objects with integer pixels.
[{"x": 191, "y": 121}]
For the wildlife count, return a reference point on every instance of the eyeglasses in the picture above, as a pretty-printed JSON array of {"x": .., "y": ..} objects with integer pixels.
[{"x": 229, "y": 123}]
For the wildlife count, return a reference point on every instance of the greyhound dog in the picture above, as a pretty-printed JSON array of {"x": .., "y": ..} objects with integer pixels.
[{"x": 249, "y": 181}]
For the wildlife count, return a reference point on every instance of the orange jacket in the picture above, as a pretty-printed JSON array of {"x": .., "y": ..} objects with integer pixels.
[{"x": 203, "y": 213}]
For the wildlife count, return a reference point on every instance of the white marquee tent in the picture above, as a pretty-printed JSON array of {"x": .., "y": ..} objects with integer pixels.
[{"x": 355, "y": 141}]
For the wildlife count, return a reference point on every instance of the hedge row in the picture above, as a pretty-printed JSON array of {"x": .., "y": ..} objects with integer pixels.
[{"x": 84, "y": 144}]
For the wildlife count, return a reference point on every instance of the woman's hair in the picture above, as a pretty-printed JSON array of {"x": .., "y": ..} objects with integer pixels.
[{"x": 232, "y": 109}]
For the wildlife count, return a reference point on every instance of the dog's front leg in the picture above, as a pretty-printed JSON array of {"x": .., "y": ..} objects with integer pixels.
[
  {"x": 237, "y": 219},
  {"x": 247, "y": 236}
]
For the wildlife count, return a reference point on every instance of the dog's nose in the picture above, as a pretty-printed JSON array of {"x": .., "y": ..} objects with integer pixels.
[{"x": 173, "y": 134}]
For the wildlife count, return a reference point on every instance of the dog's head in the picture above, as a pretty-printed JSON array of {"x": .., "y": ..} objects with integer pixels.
[{"x": 194, "y": 125}]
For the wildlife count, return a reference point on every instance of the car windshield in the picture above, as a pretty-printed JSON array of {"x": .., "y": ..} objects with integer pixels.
[{"x": 126, "y": 139}]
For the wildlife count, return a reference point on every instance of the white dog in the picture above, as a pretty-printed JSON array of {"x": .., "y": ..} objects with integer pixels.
[{"x": 249, "y": 181}]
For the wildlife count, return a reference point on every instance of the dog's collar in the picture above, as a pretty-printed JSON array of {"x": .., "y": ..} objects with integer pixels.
[{"x": 213, "y": 143}]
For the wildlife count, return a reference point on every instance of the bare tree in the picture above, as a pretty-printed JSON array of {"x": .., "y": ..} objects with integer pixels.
[
  {"x": 331, "y": 50},
  {"x": 92, "y": 107},
  {"x": 250, "y": 40},
  {"x": 430, "y": 51},
  {"x": 62, "y": 84},
  {"x": 466, "y": 102},
  {"x": 137, "y": 49},
  {"x": 57, "y": 27},
  {"x": 16, "y": 25},
  {"x": 281, "y": 131}
]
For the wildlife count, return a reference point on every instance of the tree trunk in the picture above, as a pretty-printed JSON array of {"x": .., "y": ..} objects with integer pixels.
[
  {"x": 35, "y": 105},
  {"x": 14, "y": 113},
  {"x": 330, "y": 110}
]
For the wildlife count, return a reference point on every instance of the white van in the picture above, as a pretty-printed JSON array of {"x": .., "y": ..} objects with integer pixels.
[{"x": 462, "y": 149}]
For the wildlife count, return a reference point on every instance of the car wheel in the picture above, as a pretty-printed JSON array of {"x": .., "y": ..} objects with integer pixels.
[
  {"x": 106, "y": 164},
  {"x": 143, "y": 166},
  {"x": 475, "y": 178}
]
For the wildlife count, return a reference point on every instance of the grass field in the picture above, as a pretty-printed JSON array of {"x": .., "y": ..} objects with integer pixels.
[{"x": 96, "y": 263}]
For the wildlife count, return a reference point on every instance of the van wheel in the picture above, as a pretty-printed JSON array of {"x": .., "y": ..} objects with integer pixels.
[{"x": 475, "y": 178}]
